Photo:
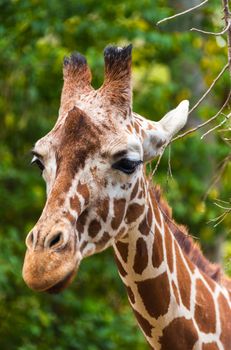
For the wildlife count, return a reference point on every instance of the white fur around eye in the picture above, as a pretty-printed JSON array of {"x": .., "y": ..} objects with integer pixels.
[{"x": 134, "y": 156}]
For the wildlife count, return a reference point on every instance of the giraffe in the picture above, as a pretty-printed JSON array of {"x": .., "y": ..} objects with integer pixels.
[{"x": 98, "y": 195}]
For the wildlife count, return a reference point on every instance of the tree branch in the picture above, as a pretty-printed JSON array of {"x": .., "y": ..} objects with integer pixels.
[
  {"x": 207, "y": 121},
  {"x": 212, "y": 33},
  {"x": 218, "y": 174},
  {"x": 210, "y": 88},
  {"x": 227, "y": 18},
  {"x": 158, "y": 161},
  {"x": 181, "y": 13},
  {"x": 217, "y": 126}
]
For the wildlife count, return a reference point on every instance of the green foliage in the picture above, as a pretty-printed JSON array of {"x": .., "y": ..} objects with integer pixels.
[{"x": 169, "y": 64}]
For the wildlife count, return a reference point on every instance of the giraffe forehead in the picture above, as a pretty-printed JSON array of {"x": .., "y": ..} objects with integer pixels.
[
  {"x": 76, "y": 130},
  {"x": 81, "y": 133},
  {"x": 77, "y": 127},
  {"x": 80, "y": 138}
]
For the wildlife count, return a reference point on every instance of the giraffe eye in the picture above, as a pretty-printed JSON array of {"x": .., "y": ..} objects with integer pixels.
[
  {"x": 126, "y": 165},
  {"x": 38, "y": 162}
]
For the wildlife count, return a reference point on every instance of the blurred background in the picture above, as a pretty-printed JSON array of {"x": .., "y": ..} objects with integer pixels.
[{"x": 170, "y": 63}]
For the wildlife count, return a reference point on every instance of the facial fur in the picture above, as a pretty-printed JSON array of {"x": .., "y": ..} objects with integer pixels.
[{"x": 92, "y": 162}]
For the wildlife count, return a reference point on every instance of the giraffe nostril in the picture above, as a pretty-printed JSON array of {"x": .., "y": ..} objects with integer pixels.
[
  {"x": 56, "y": 240},
  {"x": 30, "y": 240}
]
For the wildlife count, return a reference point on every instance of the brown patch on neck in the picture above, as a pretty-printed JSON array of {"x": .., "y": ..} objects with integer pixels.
[
  {"x": 135, "y": 190},
  {"x": 103, "y": 240},
  {"x": 157, "y": 252},
  {"x": 144, "y": 324},
  {"x": 225, "y": 318},
  {"x": 179, "y": 334},
  {"x": 176, "y": 293},
  {"x": 183, "y": 277},
  {"x": 168, "y": 244},
  {"x": 145, "y": 225},
  {"x": 94, "y": 228},
  {"x": 187, "y": 244},
  {"x": 141, "y": 256},
  {"x": 120, "y": 267},
  {"x": 123, "y": 250},
  {"x": 155, "y": 294},
  {"x": 119, "y": 209},
  {"x": 81, "y": 221},
  {"x": 133, "y": 212},
  {"x": 131, "y": 295},
  {"x": 103, "y": 209},
  {"x": 205, "y": 314}
]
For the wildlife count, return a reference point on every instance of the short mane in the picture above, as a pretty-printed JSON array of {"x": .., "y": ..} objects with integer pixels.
[{"x": 188, "y": 245}]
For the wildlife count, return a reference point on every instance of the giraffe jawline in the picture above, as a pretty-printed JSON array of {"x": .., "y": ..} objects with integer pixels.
[{"x": 61, "y": 285}]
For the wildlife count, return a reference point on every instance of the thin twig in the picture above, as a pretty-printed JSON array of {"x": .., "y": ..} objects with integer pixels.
[
  {"x": 220, "y": 171},
  {"x": 207, "y": 121},
  {"x": 169, "y": 162},
  {"x": 221, "y": 206},
  {"x": 221, "y": 201},
  {"x": 227, "y": 18},
  {"x": 210, "y": 88},
  {"x": 220, "y": 218},
  {"x": 217, "y": 126},
  {"x": 159, "y": 159},
  {"x": 212, "y": 33},
  {"x": 217, "y": 218},
  {"x": 149, "y": 170},
  {"x": 226, "y": 130},
  {"x": 181, "y": 13},
  {"x": 158, "y": 162},
  {"x": 169, "y": 171}
]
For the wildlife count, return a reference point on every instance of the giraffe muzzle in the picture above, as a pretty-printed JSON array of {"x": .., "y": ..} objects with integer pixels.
[
  {"x": 61, "y": 285},
  {"x": 49, "y": 272},
  {"x": 51, "y": 259}
]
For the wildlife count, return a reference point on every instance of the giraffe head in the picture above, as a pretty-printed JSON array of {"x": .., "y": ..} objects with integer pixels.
[{"x": 92, "y": 163}]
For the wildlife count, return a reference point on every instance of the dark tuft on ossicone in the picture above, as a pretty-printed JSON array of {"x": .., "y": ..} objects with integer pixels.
[
  {"x": 76, "y": 59},
  {"x": 117, "y": 81},
  {"x": 115, "y": 54}
]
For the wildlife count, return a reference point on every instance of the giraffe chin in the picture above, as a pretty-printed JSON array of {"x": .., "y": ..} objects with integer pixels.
[{"x": 61, "y": 285}]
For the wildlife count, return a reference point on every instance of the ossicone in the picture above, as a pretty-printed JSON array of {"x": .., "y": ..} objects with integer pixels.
[
  {"x": 73, "y": 64},
  {"x": 77, "y": 78},
  {"x": 118, "y": 58},
  {"x": 117, "y": 80}
]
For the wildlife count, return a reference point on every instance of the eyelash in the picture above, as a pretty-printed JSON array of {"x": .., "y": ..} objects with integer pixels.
[
  {"x": 38, "y": 163},
  {"x": 126, "y": 165}
]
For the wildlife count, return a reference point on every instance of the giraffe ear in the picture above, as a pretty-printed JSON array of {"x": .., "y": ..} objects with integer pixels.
[
  {"x": 77, "y": 78},
  {"x": 160, "y": 133},
  {"x": 117, "y": 80}
]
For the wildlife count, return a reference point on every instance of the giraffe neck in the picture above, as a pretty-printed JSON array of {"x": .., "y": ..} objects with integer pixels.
[{"x": 176, "y": 305}]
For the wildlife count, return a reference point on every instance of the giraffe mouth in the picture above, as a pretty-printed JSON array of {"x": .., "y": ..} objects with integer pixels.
[{"x": 62, "y": 284}]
